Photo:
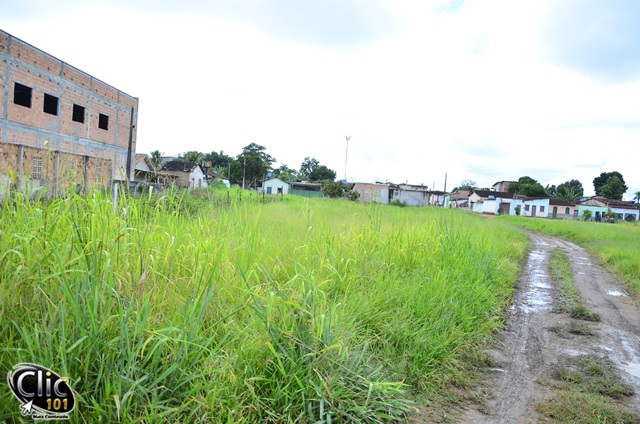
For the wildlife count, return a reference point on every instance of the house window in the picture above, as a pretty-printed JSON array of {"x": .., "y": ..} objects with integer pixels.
[
  {"x": 50, "y": 104},
  {"x": 103, "y": 122},
  {"x": 269, "y": 190},
  {"x": 36, "y": 169},
  {"x": 567, "y": 211},
  {"x": 78, "y": 113},
  {"x": 22, "y": 95},
  {"x": 526, "y": 208},
  {"x": 541, "y": 208}
]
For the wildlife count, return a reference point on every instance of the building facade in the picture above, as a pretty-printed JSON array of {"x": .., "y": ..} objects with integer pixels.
[{"x": 59, "y": 126}]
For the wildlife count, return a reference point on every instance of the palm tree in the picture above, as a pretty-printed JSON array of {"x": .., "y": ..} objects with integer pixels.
[
  {"x": 637, "y": 196},
  {"x": 156, "y": 159},
  {"x": 191, "y": 156}
]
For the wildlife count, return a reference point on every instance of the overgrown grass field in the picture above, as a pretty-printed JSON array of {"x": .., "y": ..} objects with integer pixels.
[
  {"x": 617, "y": 246},
  {"x": 167, "y": 309}
]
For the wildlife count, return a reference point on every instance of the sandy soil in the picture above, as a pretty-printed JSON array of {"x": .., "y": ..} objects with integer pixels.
[{"x": 529, "y": 351}]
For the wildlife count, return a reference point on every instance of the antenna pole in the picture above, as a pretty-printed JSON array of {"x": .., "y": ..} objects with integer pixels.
[{"x": 346, "y": 156}]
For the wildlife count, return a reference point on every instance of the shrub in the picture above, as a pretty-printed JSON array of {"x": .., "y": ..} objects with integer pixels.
[{"x": 398, "y": 203}]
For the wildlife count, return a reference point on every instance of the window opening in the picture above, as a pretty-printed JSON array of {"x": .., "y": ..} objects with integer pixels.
[
  {"x": 50, "y": 104},
  {"x": 78, "y": 113},
  {"x": 22, "y": 95},
  {"x": 103, "y": 122}
]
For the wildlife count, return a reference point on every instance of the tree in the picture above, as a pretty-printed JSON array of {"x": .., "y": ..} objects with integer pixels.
[
  {"x": 218, "y": 159},
  {"x": 527, "y": 186},
  {"x": 311, "y": 170},
  {"x": 600, "y": 181},
  {"x": 614, "y": 188},
  {"x": 322, "y": 173},
  {"x": 466, "y": 184},
  {"x": 636, "y": 196},
  {"x": 191, "y": 156},
  {"x": 570, "y": 190},
  {"x": 156, "y": 159},
  {"x": 333, "y": 189},
  {"x": 308, "y": 165},
  {"x": 551, "y": 190},
  {"x": 251, "y": 165},
  {"x": 285, "y": 173}
]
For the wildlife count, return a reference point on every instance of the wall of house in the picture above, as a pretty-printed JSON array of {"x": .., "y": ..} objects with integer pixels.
[
  {"x": 275, "y": 184},
  {"x": 620, "y": 213},
  {"x": 563, "y": 211},
  {"x": 373, "y": 192},
  {"x": 193, "y": 179},
  {"x": 54, "y": 172},
  {"x": 542, "y": 208},
  {"x": 57, "y": 132},
  {"x": 414, "y": 198}
]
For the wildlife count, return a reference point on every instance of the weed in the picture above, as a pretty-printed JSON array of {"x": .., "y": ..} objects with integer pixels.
[
  {"x": 179, "y": 308},
  {"x": 581, "y": 312},
  {"x": 580, "y": 329},
  {"x": 589, "y": 392}
]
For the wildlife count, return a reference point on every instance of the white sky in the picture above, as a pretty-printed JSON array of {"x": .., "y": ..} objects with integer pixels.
[{"x": 487, "y": 90}]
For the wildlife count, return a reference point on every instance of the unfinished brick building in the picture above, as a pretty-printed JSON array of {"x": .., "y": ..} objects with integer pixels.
[{"x": 59, "y": 126}]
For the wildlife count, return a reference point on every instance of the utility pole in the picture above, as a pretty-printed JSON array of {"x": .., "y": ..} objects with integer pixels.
[
  {"x": 346, "y": 156},
  {"x": 444, "y": 195},
  {"x": 244, "y": 171}
]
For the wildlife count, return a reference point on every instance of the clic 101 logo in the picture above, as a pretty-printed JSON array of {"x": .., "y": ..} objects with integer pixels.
[{"x": 45, "y": 395}]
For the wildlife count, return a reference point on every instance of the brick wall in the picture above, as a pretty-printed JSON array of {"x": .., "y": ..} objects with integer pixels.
[
  {"x": 30, "y": 169},
  {"x": 58, "y": 132}
]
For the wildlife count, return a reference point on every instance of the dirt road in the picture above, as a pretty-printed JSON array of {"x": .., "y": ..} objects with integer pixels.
[{"x": 526, "y": 358}]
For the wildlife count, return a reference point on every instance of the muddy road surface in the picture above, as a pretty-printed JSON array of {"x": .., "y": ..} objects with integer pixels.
[{"x": 528, "y": 354}]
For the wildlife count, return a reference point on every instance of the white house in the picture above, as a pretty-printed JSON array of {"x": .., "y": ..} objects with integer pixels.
[
  {"x": 494, "y": 202},
  {"x": 274, "y": 186},
  {"x": 535, "y": 206}
]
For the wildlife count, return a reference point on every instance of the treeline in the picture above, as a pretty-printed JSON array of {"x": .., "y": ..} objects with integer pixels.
[{"x": 252, "y": 166}]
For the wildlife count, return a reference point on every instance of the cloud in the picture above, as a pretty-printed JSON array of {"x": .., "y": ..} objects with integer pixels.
[{"x": 598, "y": 38}]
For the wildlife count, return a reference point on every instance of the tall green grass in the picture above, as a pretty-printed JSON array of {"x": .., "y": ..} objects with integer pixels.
[
  {"x": 176, "y": 308},
  {"x": 615, "y": 245}
]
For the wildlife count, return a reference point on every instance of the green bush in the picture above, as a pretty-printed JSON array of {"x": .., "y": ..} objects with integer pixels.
[{"x": 398, "y": 203}]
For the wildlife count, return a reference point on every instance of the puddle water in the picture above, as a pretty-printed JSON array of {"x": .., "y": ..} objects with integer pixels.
[
  {"x": 633, "y": 370},
  {"x": 616, "y": 293},
  {"x": 573, "y": 352},
  {"x": 538, "y": 296}
]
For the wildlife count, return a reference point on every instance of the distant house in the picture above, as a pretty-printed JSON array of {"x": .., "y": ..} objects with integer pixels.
[
  {"x": 502, "y": 185},
  {"x": 306, "y": 189},
  {"x": 599, "y": 205},
  {"x": 563, "y": 209},
  {"x": 535, "y": 206},
  {"x": 188, "y": 175},
  {"x": 143, "y": 170},
  {"x": 494, "y": 202},
  {"x": 459, "y": 199},
  {"x": 375, "y": 192},
  {"x": 274, "y": 186}
]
